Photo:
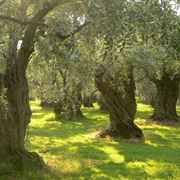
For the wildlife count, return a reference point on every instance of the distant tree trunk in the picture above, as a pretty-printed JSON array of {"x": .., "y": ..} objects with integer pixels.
[
  {"x": 69, "y": 107},
  {"x": 121, "y": 105},
  {"x": 78, "y": 102},
  {"x": 166, "y": 99},
  {"x": 87, "y": 101}
]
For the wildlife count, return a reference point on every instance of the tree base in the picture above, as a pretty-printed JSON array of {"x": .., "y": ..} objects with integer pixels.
[
  {"x": 132, "y": 132},
  {"x": 59, "y": 117},
  {"x": 10, "y": 163}
]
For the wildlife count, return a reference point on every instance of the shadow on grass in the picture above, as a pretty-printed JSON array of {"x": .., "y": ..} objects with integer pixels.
[
  {"x": 65, "y": 129},
  {"x": 75, "y": 155},
  {"x": 105, "y": 160}
]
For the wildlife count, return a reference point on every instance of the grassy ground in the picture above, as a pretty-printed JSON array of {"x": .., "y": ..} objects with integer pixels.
[{"x": 72, "y": 150}]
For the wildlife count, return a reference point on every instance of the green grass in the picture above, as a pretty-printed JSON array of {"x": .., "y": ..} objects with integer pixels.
[{"x": 72, "y": 150}]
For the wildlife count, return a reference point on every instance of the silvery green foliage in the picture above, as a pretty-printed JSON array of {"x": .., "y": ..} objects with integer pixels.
[
  {"x": 156, "y": 61},
  {"x": 63, "y": 70},
  {"x": 157, "y": 50},
  {"x": 150, "y": 29},
  {"x": 114, "y": 31}
]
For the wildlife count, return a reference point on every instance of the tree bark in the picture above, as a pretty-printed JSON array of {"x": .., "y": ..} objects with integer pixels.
[
  {"x": 13, "y": 127},
  {"x": 166, "y": 98},
  {"x": 121, "y": 105}
]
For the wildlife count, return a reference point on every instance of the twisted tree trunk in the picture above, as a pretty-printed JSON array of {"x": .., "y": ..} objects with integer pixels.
[
  {"x": 13, "y": 126},
  {"x": 120, "y": 100},
  {"x": 166, "y": 99}
]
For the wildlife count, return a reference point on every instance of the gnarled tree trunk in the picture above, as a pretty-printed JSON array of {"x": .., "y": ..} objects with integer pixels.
[
  {"x": 166, "y": 99},
  {"x": 120, "y": 100},
  {"x": 13, "y": 127}
]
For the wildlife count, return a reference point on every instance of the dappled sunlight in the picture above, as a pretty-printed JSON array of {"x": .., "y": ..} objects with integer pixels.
[
  {"x": 149, "y": 142},
  {"x": 144, "y": 108},
  {"x": 72, "y": 149},
  {"x": 155, "y": 168},
  {"x": 65, "y": 166},
  {"x": 114, "y": 154},
  {"x": 162, "y": 136},
  {"x": 143, "y": 112}
]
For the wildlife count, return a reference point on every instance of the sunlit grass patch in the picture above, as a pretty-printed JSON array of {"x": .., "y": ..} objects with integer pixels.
[{"x": 143, "y": 112}]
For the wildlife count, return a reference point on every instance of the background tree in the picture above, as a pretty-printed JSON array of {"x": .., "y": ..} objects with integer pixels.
[
  {"x": 114, "y": 75},
  {"x": 158, "y": 54},
  {"x": 66, "y": 64}
]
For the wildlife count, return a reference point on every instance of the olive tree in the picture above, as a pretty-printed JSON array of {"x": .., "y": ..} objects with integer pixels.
[
  {"x": 114, "y": 76},
  {"x": 157, "y": 54},
  {"x": 13, "y": 129}
]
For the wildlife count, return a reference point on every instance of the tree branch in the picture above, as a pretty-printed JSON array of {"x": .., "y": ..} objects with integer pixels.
[
  {"x": 28, "y": 40},
  {"x": 78, "y": 29},
  {"x": 9, "y": 18},
  {"x": 18, "y": 21},
  {"x": 47, "y": 6}
]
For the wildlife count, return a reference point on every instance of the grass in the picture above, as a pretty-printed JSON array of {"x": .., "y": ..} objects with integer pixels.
[{"x": 73, "y": 151}]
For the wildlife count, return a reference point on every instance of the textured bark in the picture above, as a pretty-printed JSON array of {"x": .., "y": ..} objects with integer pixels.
[
  {"x": 166, "y": 99},
  {"x": 12, "y": 129},
  {"x": 13, "y": 126},
  {"x": 121, "y": 105}
]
